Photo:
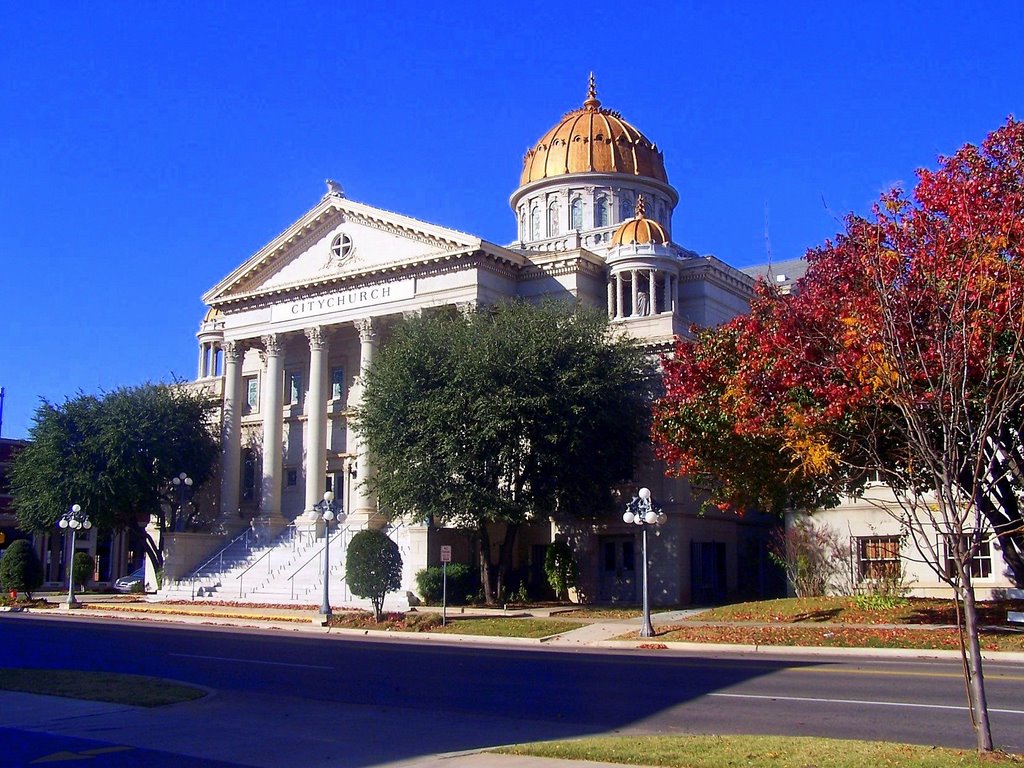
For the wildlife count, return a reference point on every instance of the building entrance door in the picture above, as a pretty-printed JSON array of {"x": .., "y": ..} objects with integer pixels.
[
  {"x": 618, "y": 569},
  {"x": 707, "y": 572}
]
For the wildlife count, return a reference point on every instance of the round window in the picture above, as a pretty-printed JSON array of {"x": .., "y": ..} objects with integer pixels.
[{"x": 341, "y": 247}]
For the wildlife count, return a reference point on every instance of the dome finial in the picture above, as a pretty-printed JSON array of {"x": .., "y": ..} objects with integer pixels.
[
  {"x": 639, "y": 206},
  {"x": 592, "y": 103}
]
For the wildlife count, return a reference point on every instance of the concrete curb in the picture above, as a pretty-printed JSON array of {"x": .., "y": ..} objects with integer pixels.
[{"x": 551, "y": 642}]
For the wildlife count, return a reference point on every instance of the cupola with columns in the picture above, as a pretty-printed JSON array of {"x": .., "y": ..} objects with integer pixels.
[{"x": 644, "y": 269}]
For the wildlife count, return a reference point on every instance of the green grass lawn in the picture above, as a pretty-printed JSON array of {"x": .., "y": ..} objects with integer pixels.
[
  {"x": 836, "y": 637},
  {"x": 602, "y": 612},
  {"x": 757, "y": 752},
  {"x": 854, "y": 610},
  {"x": 457, "y": 625},
  {"x": 98, "y": 686},
  {"x": 499, "y": 627},
  {"x": 813, "y": 622}
]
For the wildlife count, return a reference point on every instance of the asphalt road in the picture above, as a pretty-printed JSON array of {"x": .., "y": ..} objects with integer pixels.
[{"x": 427, "y": 698}]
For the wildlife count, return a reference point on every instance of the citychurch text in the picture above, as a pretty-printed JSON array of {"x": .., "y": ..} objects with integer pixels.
[{"x": 343, "y": 300}]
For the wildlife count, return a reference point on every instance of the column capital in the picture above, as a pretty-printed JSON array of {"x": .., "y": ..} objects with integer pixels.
[
  {"x": 317, "y": 342},
  {"x": 232, "y": 351},
  {"x": 272, "y": 344},
  {"x": 367, "y": 333}
]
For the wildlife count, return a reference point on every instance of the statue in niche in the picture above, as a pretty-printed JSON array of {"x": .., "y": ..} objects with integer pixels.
[{"x": 642, "y": 307}]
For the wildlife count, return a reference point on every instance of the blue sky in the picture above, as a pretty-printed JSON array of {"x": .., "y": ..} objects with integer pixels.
[{"x": 147, "y": 149}]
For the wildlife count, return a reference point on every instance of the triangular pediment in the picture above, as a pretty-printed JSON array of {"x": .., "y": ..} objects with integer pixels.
[{"x": 339, "y": 238}]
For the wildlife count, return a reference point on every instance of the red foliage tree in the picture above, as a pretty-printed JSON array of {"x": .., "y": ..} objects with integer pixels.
[{"x": 899, "y": 354}]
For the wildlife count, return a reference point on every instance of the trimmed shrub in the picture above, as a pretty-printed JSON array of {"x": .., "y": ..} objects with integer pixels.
[
  {"x": 20, "y": 569},
  {"x": 373, "y": 567},
  {"x": 82, "y": 568},
  {"x": 461, "y": 584}
]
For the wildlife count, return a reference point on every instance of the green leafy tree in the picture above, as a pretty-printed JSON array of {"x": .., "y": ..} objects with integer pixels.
[
  {"x": 20, "y": 569},
  {"x": 115, "y": 455},
  {"x": 373, "y": 567},
  {"x": 503, "y": 416},
  {"x": 561, "y": 568}
]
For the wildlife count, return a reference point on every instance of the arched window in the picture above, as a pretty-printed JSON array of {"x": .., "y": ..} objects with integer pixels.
[
  {"x": 627, "y": 208},
  {"x": 535, "y": 222},
  {"x": 601, "y": 211},
  {"x": 522, "y": 223},
  {"x": 552, "y": 218},
  {"x": 576, "y": 212}
]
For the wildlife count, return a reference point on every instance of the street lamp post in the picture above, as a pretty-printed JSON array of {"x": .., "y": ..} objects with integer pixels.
[
  {"x": 74, "y": 519},
  {"x": 326, "y": 510},
  {"x": 642, "y": 511},
  {"x": 181, "y": 483}
]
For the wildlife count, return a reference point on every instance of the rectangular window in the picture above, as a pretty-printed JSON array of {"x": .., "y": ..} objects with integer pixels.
[
  {"x": 628, "y": 559},
  {"x": 294, "y": 388},
  {"x": 252, "y": 395},
  {"x": 337, "y": 383},
  {"x": 878, "y": 557},
  {"x": 609, "y": 556},
  {"x": 293, "y": 477},
  {"x": 980, "y": 565}
]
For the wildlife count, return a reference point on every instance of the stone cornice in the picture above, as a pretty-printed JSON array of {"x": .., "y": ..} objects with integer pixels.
[
  {"x": 494, "y": 259},
  {"x": 331, "y": 210},
  {"x": 580, "y": 262},
  {"x": 319, "y": 227},
  {"x": 408, "y": 233},
  {"x": 710, "y": 269}
]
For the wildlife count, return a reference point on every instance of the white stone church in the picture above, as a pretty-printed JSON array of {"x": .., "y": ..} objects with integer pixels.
[{"x": 289, "y": 333}]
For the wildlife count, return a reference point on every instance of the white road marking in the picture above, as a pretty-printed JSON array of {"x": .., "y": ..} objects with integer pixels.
[
  {"x": 248, "y": 661},
  {"x": 858, "y": 701}
]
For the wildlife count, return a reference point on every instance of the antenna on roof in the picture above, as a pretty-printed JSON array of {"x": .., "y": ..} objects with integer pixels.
[{"x": 767, "y": 240}]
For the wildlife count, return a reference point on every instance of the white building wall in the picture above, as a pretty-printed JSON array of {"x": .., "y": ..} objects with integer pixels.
[{"x": 876, "y": 515}]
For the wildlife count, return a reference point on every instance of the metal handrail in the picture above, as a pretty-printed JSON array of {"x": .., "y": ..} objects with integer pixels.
[
  {"x": 316, "y": 556},
  {"x": 288, "y": 535},
  {"x": 218, "y": 555}
]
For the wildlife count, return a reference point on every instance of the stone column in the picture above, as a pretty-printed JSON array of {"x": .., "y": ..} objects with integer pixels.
[
  {"x": 270, "y": 502},
  {"x": 364, "y": 506},
  {"x": 316, "y": 420},
  {"x": 652, "y": 293},
  {"x": 618, "y": 295},
  {"x": 202, "y": 361},
  {"x": 611, "y": 297},
  {"x": 633, "y": 287},
  {"x": 231, "y": 430}
]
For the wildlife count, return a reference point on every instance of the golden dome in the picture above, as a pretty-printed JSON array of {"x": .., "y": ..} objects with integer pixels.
[
  {"x": 212, "y": 314},
  {"x": 593, "y": 140},
  {"x": 639, "y": 230}
]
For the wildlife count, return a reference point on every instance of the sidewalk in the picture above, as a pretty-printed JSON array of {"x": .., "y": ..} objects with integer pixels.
[{"x": 232, "y": 730}]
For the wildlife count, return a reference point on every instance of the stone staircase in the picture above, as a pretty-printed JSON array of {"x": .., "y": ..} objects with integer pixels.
[{"x": 287, "y": 569}]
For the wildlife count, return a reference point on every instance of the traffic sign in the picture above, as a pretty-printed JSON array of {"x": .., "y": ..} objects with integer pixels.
[{"x": 446, "y": 553}]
